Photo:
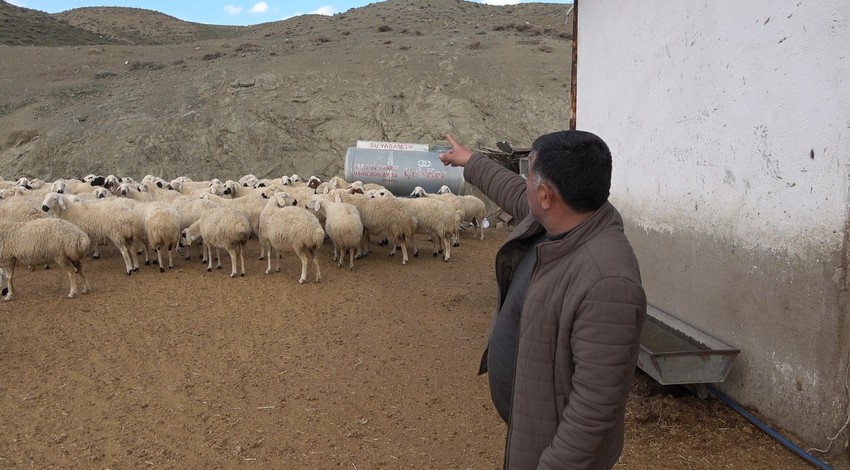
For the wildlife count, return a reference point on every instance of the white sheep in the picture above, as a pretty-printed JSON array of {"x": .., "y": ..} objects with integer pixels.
[
  {"x": 436, "y": 218},
  {"x": 474, "y": 209},
  {"x": 159, "y": 228},
  {"x": 383, "y": 216},
  {"x": 284, "y": 224},
  {"x": 21, "y": 208},
  {"x": 41, "y": 241},
  {"x": 101, "y": 220},
  {"x": 191, "y": 209},
  {"x": 196, "y": 188},
  {"x": 221, "y": 227},
  {"x": 342, "y": 225},
  {"x": 250, "y": 206}
]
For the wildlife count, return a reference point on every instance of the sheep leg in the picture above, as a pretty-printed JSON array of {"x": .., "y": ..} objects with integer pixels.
[
  {"x": 303, "y": 257},
  {"x": 217, "y": 257},
  {"x": 143, "y": 249},
  {"x": 134, "y": 257},
  {"x": 78, "y": 265},
  {"x": 208, "y": 255},
  {"x": 96, "y": 253},
  {"x": 351, "y": 259},
  {"x": 159, "y": 260},
  {"x": 447, "y": 247},
  {"x": 170, "y": 259},
  {"x": 242, "y": 258},
  {"x": 10, "y": 271},
  {"x": 269, "y": 264},
  {"x": 415, "y": 249},
  {"x": 125, "y": 253},
  {"x": 403, "y": 250},
  {"x": 315, "y": 255},
  {"x": 277, "y": 256},
  {"x": 233, "y": 260},
  {"x": 72, "y": 279}
]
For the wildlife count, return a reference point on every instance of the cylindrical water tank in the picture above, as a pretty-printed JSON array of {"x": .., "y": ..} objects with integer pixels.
[{"x": 401, "y": 171}]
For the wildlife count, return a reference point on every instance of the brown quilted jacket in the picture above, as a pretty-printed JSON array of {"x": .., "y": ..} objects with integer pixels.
[{"x": 579, "y": 333}]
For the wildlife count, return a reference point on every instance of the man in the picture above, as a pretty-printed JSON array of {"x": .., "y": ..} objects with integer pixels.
[{"x": 563, "y": 343}]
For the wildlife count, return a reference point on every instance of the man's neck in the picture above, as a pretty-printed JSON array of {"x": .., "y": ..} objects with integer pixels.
[{"x": 564, "y": 220}]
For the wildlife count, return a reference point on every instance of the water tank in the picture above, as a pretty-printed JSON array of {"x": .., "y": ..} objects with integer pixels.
[{"x": 402, "y": 170}]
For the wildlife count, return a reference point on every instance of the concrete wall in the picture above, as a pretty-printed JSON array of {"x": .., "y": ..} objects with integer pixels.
[{"x": 729, "y": 123}]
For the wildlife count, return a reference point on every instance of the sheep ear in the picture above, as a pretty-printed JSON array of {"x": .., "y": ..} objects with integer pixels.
[{"x": 61, "y": 202}]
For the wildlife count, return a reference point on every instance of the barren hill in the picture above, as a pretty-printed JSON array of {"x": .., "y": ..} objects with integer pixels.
[
  {"x": 143, "y": 27},
  {"x": 25, "y": 27},
  {"x": 281, "y": 97}
]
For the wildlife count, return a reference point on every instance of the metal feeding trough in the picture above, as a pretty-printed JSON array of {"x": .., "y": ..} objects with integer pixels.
[{"x": 675, "y": 353}]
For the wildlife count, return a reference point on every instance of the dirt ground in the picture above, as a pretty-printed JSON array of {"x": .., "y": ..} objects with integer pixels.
[{"x": 368, "y": 369}]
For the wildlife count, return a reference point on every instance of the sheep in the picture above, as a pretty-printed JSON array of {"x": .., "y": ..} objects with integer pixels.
[
  {"x": 283, "y": 223},
  {"x": 221, "y": 227},
  {"x": 342, "y": 224},
  {"x": 248, "y": 181},
  {"x": 250, "y": 206},
  {"x": 154, "y": 180},
  {"x": 236, "y": 190},
  {"x": 71, "y": 186},
  {"x": 477, "y": 211},
  {"x": 101, "y": 221},
  {"x": 474, "y": 209},
  {"x": 159, "y": 227},
  {"x": 196, "y": 188},
  {"x": 153, "y": 192},
  {"x": 41, "y": 241},
  {"x": 20, "y": 209},
  {"x": 13, "y": 191},
  {"x": 383, "y": 216},
  {"x": 191, "y": 209},
  {"x": 162, "y": 228},
  {"x": 434, "y": 217}
]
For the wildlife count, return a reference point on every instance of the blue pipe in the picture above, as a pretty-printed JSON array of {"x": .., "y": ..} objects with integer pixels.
[{"x": 771, "y": 432}]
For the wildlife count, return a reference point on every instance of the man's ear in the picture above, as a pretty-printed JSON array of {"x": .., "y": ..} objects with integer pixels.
[{"x": 545, "y": 196}]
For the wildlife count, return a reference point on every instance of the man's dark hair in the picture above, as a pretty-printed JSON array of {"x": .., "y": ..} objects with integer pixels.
[{"x": 577, "y": 164}]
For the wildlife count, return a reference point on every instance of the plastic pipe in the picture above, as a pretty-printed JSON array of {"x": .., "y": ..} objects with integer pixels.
[{"x": 770, "y": 431}]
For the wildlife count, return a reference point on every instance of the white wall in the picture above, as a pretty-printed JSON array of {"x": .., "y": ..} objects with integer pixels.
[{"x": 729, "y": 123}]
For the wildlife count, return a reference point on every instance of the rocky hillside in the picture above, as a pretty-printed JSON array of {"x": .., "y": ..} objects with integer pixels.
[
  {"x": 281, "y": 97},
  {"x": 25, "y": 27}
]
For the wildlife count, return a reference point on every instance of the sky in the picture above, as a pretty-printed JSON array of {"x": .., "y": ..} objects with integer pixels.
[{"x": 227, "y": 12}]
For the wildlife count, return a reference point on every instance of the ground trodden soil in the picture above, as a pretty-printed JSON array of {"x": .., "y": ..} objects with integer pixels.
[{"x": 369, "y": 369}]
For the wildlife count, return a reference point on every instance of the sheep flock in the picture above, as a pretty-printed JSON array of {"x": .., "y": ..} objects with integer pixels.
[{"x": 61, "y": 223}]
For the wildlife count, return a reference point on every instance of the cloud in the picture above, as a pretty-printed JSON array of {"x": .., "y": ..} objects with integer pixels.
[
  {"x": 232, "y": 10},
  {"x": 325, "y": 10},
  {"x": 260, "y": 7}
]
